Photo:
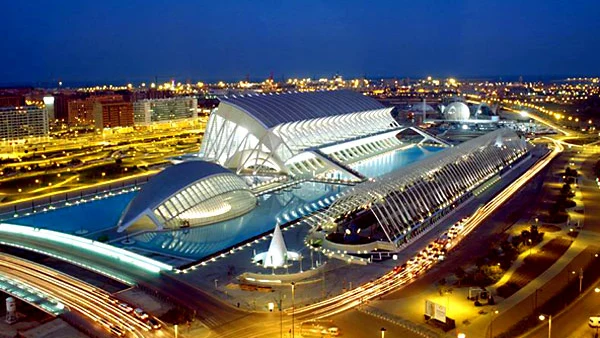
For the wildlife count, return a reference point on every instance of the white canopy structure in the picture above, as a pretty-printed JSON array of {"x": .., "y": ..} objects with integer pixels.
[
  {"x": 402, "y": 200},
  {"x": 277, "y": 133}
]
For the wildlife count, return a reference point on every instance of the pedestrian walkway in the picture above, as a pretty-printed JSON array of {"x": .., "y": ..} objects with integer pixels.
[
  {"x": 418, "y": 329},
  {"x": 481, "y": 326},
  {"x": 520, "y": 259}
]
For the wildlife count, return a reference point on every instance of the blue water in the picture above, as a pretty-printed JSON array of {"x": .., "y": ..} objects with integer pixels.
[
  {"x": 392, "y": 161},
  {"x": 200, "y": 242},
  {"x": 196, "y": 243},
  {"x": 91, "y": 216}
]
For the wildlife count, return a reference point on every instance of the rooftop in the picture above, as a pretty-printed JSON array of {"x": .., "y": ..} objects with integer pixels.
[
  {"x": 275, "y": 109},
  {"x": 167, "y": 183}
]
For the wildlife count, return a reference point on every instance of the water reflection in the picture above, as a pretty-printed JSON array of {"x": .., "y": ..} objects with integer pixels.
[{"x": 282, "y": 207}]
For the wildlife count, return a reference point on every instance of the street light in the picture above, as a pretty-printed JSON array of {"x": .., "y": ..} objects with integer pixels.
[
  {"x": 542, "y": 318},
  {"x": 293, "y": 306},
  {"x": 492, "y": 313},
  {"x": 383, "y": 332},
  {"x": 580, "y": 279}
]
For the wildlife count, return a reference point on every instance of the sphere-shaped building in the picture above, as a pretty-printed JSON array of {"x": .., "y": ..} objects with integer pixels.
[{"x": 457, "y": 111}]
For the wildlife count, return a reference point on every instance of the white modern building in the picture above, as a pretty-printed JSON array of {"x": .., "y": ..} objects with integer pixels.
[
  {"x": 193, "y": 193},
  {"x": 297, "y": 133},
  {"x": 457, "y": 111},
  {"x": 156, "y": 110},
  {"x": 23, "y": 122},
  {"x": 49, "y": 105},
  {"x": 404, "y": 200}
]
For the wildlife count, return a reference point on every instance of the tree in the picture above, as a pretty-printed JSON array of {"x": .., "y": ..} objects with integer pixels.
[
  {"x": 525, "y": 236},
  {"x": 460, "y": 275},
  {"x": 535, "y": 234},
  {"x": 516, "y": 241}
]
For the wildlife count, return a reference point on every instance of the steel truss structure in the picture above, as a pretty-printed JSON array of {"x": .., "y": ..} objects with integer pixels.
[
  {"x": 401, "y": 201},
  {"x": 263, "y": 133}
]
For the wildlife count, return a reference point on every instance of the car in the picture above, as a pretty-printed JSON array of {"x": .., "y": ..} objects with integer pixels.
[
  {"x": 104, "y": 322},
  {"x": 125, "y": 307},
  {"x": 154, "y": 323},
  {"x": 399, "y": 268},
  {"x": 333, "y": 331},
  {"x": 140, "y": 313},
  {"x": 117, "y": 331}
]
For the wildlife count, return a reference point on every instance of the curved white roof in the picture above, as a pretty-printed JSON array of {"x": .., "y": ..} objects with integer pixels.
[
  {"x": 273, "y": 109},
  {"x": 168, "y": 182},
  {"x": 458, "y": 111}
]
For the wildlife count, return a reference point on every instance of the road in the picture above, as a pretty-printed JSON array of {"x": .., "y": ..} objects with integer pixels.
[
  {"x": 211, "y": 312},
  {"x": 226, "y": 321},
  {"x": 398, "y": 278},
  {"x": 89, "y": 302},
  {"x": 573, "y": 321}
]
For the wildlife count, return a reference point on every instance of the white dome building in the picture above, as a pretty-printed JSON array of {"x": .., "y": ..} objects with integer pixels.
[{"x": 457, "y": 111}]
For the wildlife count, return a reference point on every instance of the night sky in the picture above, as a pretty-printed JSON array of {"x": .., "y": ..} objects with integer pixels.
[{"x": 131, "y": 40}]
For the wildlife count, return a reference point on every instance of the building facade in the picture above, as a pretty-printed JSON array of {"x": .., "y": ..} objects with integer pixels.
[
  {"x": 169, "y": 109},
  {"x": 113, "y": 114},
  {"x": 8, "y": 100},
  {"x": 296, "y": 133},
  {"x": 193, "y": 193},
  {"x": 103, "y": 111},
  {"x": 23, "y": 122},
  {"x": 80, "y": 111}
]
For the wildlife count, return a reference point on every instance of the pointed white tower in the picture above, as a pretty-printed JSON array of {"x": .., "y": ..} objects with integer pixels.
[{"x": 277, "y": 254}]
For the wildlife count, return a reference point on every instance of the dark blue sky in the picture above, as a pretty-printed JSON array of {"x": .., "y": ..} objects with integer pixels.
[{"x": 129, "y": 40}]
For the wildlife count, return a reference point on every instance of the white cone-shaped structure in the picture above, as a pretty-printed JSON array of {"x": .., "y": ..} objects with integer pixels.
[{"x": 277, "y": 254}]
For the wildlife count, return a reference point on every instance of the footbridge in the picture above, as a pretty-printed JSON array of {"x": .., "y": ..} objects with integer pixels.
[{"x": 427, "y": 136}]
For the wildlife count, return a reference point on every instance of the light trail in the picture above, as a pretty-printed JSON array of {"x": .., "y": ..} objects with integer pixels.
[
  {"x": 91, "y": 302},
  {"x": 394, "y": 279},
  {"x": 539, "y": 119},
  {"x": 88, "y": 245}
]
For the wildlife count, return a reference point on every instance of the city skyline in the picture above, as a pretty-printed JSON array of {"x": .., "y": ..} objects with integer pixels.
[
  {"x": 78, "y": 42},
  {"x": 290, "y": 169}
]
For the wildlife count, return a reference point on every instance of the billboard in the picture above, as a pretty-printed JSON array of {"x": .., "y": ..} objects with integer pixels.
[{"x": 435, "y": 311}]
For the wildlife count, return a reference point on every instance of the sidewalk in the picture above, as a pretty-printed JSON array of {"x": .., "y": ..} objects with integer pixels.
[
  {"x": 520, "y": 259},
  {"x": 538, "y": 290},
  {"x": 475, "y": 321},
  {"x": 480, "y": 326}
]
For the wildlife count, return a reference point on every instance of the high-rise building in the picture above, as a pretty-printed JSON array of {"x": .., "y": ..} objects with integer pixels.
[
  {"x": 110, "y": 114},
  {"x": 23, "y": 122},
  {"x": 80, "y": 111},
  {"x": 90, "y": 111},
  {"x": 156, "y": 110},
  {"x": 49, "y": 104},
  {"x": 61, "y": 106}
]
